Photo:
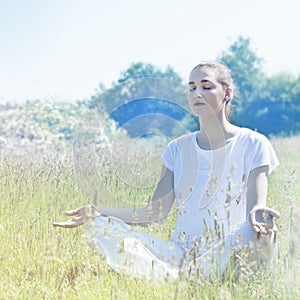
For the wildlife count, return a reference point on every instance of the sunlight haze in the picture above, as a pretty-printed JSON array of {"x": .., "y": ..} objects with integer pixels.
[{"x": 63, "y": 49}]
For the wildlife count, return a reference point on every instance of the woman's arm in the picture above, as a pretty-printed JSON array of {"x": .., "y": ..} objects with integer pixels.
[
  {"x": 158, "y": 209},
  {"x": 261, "y": 217}
]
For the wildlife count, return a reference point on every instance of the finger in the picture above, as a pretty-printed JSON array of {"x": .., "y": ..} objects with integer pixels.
[
  {"x": 72, "y": 212},
  {"x": 263, "y": 215},
  {"x": 75, "y": 222},
  {"x": 272, "y": 212},
  {"x": 259, "y": 228},
  {"x": 253, "y": 217},
  {"x": 264, "y": 228},
  {"x": 59, "y": 224},
  {"x": 67, "y": 224},
  {"x": 256, "y": 228}
]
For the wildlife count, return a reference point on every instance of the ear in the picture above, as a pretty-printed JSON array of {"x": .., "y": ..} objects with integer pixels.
[
  {"x": 228, "y": 92},
  {"x": 228, "y": 95}
]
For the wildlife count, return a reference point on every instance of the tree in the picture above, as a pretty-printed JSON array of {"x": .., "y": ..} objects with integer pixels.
[
  {"x": 147, "y": 97},
  {"x": 141, "y": 70},
  {"x": 277, "y": 111},
  {"x": 246, "y": 70}
]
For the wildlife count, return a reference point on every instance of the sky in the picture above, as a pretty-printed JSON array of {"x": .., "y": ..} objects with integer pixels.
[{"x": 63, "y": 49}]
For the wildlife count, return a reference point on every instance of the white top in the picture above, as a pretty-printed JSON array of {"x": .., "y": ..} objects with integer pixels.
[{"x": 210, "y": 185}]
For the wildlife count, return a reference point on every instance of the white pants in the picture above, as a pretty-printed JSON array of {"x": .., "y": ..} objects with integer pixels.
[{"x": 142, "y": 255}]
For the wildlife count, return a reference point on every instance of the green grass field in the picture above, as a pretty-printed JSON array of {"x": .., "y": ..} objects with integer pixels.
[{"x": 38, "y": 261}]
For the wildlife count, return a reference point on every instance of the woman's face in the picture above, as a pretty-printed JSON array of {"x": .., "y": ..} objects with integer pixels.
[{"x": 205, "y": 94}]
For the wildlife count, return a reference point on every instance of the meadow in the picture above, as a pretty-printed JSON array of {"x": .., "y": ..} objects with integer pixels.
[{"x": 38, "y": 261}]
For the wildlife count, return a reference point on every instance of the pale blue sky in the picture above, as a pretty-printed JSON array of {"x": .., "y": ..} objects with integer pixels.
[{"x": 63, "y": 49}]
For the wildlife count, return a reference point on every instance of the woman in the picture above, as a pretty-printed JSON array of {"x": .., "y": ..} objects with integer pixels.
[{"x": 219, "y": 178}]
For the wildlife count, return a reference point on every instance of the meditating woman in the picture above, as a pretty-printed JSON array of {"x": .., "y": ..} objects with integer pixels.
[{"x": 218, "y": 177}]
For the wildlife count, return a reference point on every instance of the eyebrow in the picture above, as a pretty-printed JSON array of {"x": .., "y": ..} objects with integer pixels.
[{"x": 202, "y": 81}]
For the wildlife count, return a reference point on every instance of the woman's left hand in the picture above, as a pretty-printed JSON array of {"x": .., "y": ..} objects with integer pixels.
[{"x": 262, "y": 220}]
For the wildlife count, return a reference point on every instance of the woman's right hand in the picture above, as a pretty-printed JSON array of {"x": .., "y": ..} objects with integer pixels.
[{"x": 81, "y": 216}]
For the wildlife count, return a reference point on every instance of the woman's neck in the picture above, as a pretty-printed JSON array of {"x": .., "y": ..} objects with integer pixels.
[{"x": 216, "y": 133}]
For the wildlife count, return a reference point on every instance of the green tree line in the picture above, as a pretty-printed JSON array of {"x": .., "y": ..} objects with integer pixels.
[{"x": 268, "y": 104}]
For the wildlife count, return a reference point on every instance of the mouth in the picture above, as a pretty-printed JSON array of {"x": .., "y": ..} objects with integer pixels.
[{"x": 198, "y": 104}]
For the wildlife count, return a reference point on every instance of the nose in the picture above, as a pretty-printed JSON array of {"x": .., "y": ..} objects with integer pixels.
[{"x": 197, "y": 93}]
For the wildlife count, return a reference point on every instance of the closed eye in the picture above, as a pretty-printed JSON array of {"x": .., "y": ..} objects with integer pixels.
[
  {"x": 204, "y": 84},
  {"x": 192, "y": 87}
]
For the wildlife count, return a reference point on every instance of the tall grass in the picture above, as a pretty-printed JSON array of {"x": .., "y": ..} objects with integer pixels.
[{"x": 38, "y": 261}]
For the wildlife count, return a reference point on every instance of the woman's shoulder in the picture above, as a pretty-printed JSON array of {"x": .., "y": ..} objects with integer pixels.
[
  {"x": 252, "y": 136},
  {"x": 183, "y": 139}
]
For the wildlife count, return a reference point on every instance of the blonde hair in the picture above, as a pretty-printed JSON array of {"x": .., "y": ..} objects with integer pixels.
[{"x": 223, "y": 76}]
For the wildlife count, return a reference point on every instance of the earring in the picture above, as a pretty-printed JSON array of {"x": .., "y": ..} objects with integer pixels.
[{"x": 227, "y": 99}]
